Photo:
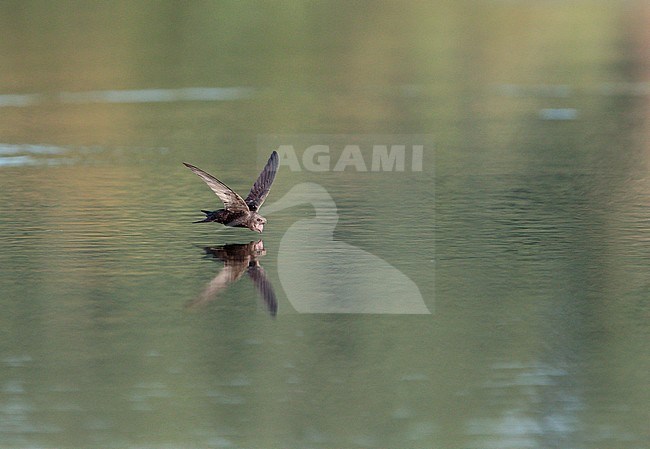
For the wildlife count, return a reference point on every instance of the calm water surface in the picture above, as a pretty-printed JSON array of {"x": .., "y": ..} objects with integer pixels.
[{"x": 521, "y": 249}]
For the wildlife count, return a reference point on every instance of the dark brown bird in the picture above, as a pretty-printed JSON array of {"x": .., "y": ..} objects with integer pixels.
[{"x": 238, "y": 212}]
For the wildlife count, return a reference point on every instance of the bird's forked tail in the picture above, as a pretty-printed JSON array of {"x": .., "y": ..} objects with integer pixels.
[{"x": 208, "y": 217}]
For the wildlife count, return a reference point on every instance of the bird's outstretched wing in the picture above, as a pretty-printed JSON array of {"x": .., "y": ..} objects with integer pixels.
[
  {"x": 264, "y": 287},
  {"x": 230, "y": 273},
  {"x": 262, "y": 186},
  {"x": 231, "y": 200}
]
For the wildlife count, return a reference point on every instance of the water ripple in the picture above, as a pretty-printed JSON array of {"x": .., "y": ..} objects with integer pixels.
[{"x": 129, "y": 96}]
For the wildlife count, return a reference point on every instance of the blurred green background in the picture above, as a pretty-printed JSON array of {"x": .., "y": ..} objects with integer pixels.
[{"x": 526, "y": 232}]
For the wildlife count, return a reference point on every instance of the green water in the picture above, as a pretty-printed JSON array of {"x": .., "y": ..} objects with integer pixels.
[{"x": 496, "y": 296}]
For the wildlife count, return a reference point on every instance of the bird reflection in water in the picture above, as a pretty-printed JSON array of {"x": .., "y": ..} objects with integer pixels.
[{"x": 238, "y": 259}]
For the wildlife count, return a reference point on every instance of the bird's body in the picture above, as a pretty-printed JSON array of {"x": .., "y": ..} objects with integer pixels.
[
  {"x": 235, "y": 219},
  {"x": 238, "y": 212}
]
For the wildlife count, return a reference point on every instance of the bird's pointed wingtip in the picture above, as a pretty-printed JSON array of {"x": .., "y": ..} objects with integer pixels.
[{"x": 274, "y": 159}]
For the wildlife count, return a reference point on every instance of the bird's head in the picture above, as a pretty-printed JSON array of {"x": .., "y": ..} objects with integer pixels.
[{"x": 257, "y": 222}]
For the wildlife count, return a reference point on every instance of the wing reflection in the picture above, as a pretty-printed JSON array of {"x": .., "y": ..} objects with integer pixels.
[{"x": 238, "y": 259}]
